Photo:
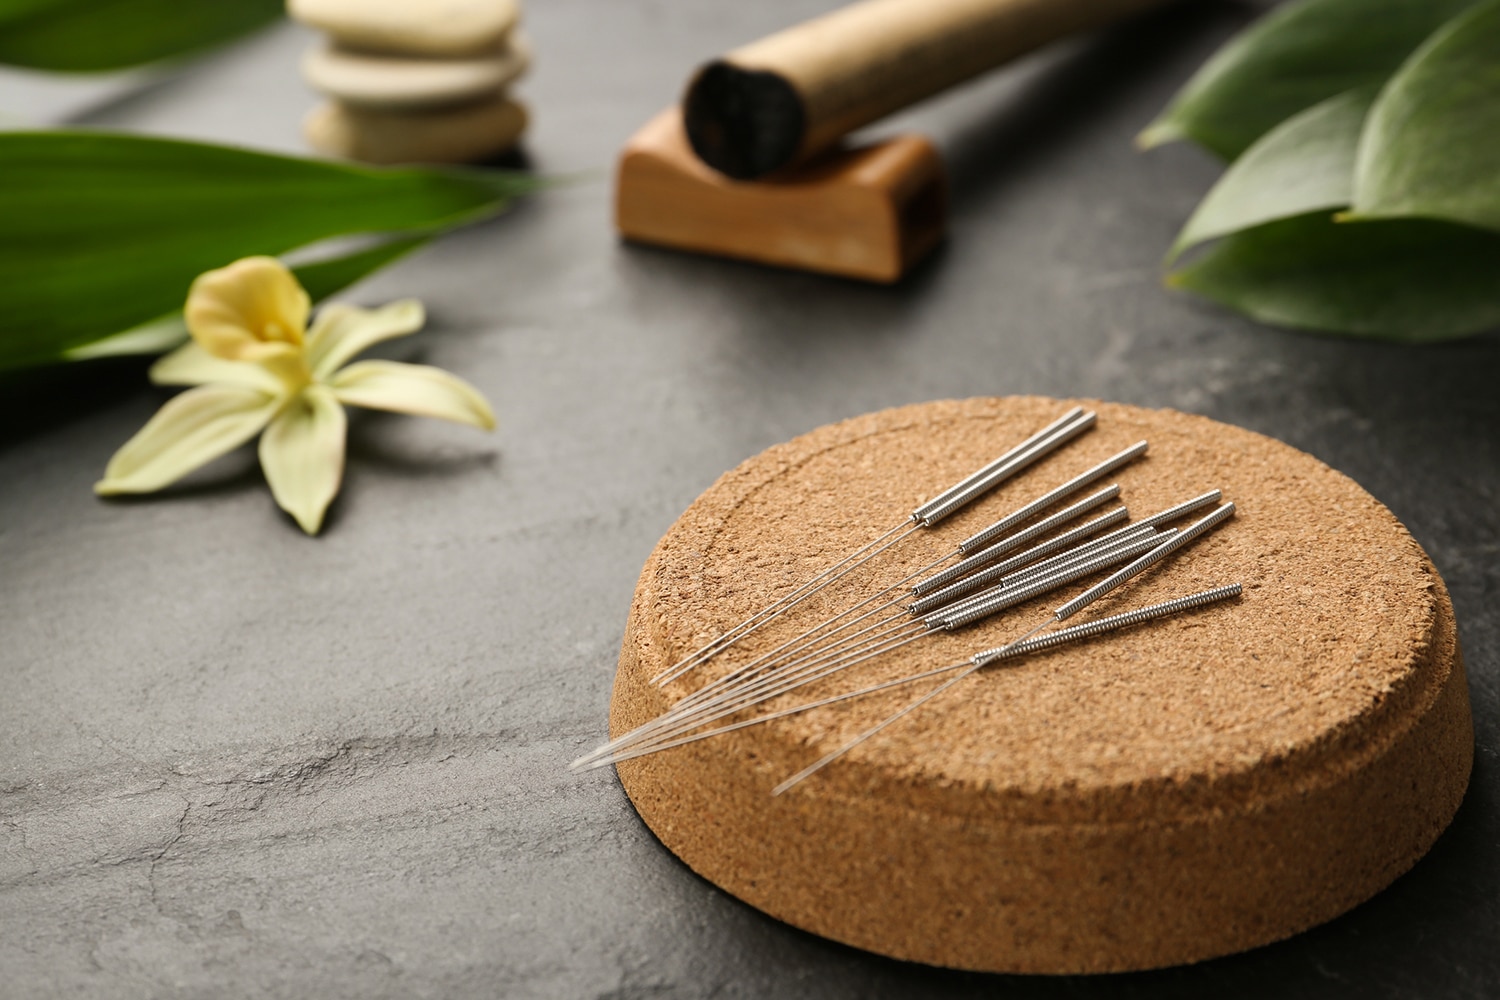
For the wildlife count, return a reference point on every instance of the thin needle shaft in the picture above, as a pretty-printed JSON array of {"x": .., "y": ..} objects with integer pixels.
[
  {"x": 783, "y": 713},
  {"x": 963, "y": 613},
  {"x": 680, "y": 716},
  {"x": 827, "y": 759},
  {"x": 988, "y": 555},
  {"x": 756, "y": 690},
  {"x": 796, "y": 644},
  {"x": 1034, "y": 448},
  {"x": 1017, "y": 647},
  {"x": 660, "y": 740},
  {"x": 802, "y": 593}
]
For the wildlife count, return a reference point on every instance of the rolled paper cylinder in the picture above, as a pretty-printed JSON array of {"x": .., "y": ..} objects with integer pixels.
[{"x": 777, "y": 101}]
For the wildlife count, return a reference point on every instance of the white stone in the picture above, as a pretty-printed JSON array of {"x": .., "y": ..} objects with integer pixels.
[
  {"x": 412, "y": 27},
  {"x": 469, "y": 133},
  {"x": 403, "y": 82}
]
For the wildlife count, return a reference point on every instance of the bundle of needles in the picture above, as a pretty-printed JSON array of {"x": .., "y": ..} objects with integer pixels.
[{"x": 1025, "y": 555}]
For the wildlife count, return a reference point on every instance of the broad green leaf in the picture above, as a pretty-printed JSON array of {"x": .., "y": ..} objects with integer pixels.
[
  {"x": 1409, "y": 279},
  {"x": 1431, "y": 147},
  {"x": 154, "y": 337},
  {"x": 1297, "y": 55},
  {"x": 321, "y": 279},
  {"x": 1304, "y": 164},
  {"x": 100, "y": 233},
  {"x": 95, "y": 35}
]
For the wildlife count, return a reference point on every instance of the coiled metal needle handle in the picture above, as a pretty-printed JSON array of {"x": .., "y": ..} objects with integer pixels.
[
  {"x": 920, "y": 514},
  {"x": 996, "y": 574},
  {"x": 1040, "y": 504},
  {"x": 1109, "y": 624},
  {"x": 1156, "y": 520},
  {"x": 987, "y": 556},
  {"x": 1189, "y": 535},
  {"x": 957, "y": 497},
  {"x": 968, "y": 612}
]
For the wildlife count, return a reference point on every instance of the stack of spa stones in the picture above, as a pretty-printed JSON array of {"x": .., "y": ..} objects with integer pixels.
[{"x": 414, "y": 82}]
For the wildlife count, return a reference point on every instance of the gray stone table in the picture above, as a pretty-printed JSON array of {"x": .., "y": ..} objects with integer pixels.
[{"x": 235, "y": 761}]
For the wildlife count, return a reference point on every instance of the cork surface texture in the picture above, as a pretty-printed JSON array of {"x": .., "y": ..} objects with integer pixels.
[{"x": 1184, "y": 789}]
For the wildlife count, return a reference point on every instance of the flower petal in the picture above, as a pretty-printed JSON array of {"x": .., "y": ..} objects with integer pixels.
[
  {"x": 190, "y": 364},
  {"x": 416, "y": 389},
  {"x": 192, "y": 429},
  {"x": 302, "y": 454},
  {"x": 342, "y": 331},
  {"x": 250, "y": 310}
]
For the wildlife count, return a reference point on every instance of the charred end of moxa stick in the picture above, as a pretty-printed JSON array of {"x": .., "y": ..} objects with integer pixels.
[{"x": 745, "y": 123}]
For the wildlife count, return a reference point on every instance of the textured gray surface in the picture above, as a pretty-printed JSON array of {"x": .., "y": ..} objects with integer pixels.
[{"x": 238, "y": 762}]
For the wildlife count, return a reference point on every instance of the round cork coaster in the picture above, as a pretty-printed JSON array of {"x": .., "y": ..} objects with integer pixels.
[{"x": 1187, "y": 788}]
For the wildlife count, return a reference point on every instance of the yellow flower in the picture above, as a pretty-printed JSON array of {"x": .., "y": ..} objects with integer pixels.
[{"x": 258, "y": 367}]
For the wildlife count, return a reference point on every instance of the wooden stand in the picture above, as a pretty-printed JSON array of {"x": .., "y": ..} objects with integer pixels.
[
  {"x": 1185, "y": 789},
  {"x": 867, "y": 213}
]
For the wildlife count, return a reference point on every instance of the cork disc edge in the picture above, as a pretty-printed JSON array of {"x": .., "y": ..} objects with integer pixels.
[{"x": 988, "y": 892}]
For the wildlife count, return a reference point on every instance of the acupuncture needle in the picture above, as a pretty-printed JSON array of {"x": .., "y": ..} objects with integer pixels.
[
  {"x": 1056, "y": 434},
  {"x": 800, "y": 671},
  {"x": 1003, "y": 594},
  {"x": 1061, "y": 431},
  {"x": 988, "y": 557},
  {"x": 1013, "y": 651},
  {"x": 740, "y": 676},
  {"x": 1017, "y": 649},
  {"x": 806, "y": 639},
  {"x": 1146, "y": 561},
  {"x": 1039, "y": 558},
  {"x": 1186, "y": 537},
  {"x": 764, "y": 689},
  {"x": 1010, "y": 544},
  {"x": 929, "y": 612},
  {"x": 966, "y": 491},
  {"x": 729, "y": 702},
  {"x": 673, "y": 718},
  {"x": 1085, "y": 560},
  {"x": 898, "y": 629},
  {"x": 972, "y": 545},
  {"x": 1060, "y": 543}
]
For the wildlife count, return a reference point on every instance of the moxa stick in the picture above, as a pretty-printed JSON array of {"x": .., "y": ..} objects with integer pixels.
[{"x": 778, "y": 101}]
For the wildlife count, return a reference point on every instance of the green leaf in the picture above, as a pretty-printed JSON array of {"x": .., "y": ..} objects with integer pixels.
[
  {"x": 1298, "y": 55},
  {"x": 1431, "y": 147},
  {"x": 1304, "y": 164},
  {"x": 1409, "y": 280},
  {"x": 321, "y": 279},
  {"x": 101, "y": 233},
  {"x": 94, "y": 35}
]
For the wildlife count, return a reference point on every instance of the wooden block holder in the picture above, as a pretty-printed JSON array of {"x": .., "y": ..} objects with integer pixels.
[
  {"x": 775, "y": 112},
  {"x": 869, "y": 212}
]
